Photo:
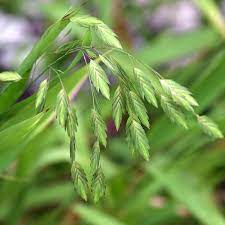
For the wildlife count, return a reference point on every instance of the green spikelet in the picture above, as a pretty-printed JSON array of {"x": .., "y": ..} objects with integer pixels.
[
  {"x": 109, "y": 64},
  {"x": 209, "y": 127},
  {"x": 98, "y": 185},
  {"x": 173, "y": 112},
  {"x": 9, "y": 76},
  {"x": 179, "y": 94},
  {"x": 139, "y": 108},
  {"x": 95, "y": 157},
  {"x": 65, "y": 114},
  {"x": 137, "y": 137},
  {"x": 103, "y": 32},
  {"x": 41, "y": 96},
  {"x": 99, "y": 79},
  {"x": 99, "y": 127},
  {"x": 72, "y": 149},
  {"x": 145, "y": 87},
  {"x": 118, "y": 107},
  {"x": 71, "y": 125},
  {"x": 62, "y": 108},
  {"x": 79, "y": 180}
]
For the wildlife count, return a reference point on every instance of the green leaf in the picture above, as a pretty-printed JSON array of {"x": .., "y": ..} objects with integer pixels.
[
  {"x": 209, "y": 127},
  {"x": 186, "y": 188},
  {"x": 99, "y": 127},
  {"x": 24, "y": 112},
  {"x": 208, "y": 87},
  {"x": 179, "y": 94},
  {"x": 94, "y": 216},
  {"x": 68, "y": 46},
  {"x": 95, "y": 157},
  {"x": 41, "y": 96},
  {"x": 139, "y": 108},
  {"x": 8, "y": 76},
  {"x": 138, "y": 137},
  {"x": 146, "y": 89},
  {"x": 173, "y": 47},
  {"x": 118, "y": 107},
  {"x": 98, "y": 185},
  {"x": 79, "y": 180},
  {"x": 173, "y": 112},
  {"x": 14, "y": 138}
]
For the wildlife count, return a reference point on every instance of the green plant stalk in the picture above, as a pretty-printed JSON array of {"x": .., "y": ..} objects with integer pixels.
[{"x": 211, "y": 11}]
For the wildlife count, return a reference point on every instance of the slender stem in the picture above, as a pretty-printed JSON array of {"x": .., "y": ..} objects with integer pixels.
[
  {"x": 135, "y": 59},
  {"x": 57, "y": 73},
  {"x": 92, "y": 91}
]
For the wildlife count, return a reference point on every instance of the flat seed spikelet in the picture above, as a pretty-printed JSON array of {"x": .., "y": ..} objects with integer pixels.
[
  {"x": 179, "y": 94},
  {"x": 108, "y": 63},
  {"x": 173, "y": 112},
  {"x": 139, "y": 108},
  {"x": 86, "y": 21},
  {"x": 98, "y": 185},
  {"x": 99, "y": 78},
  {"x": 66, "y": 115},
  {"x": 118, "y": 107},
  {"x": 41, "y": 96},
  {"x": 209, "y": 127},
  {"x": 145, "y": 87},
  {"x": 103, "y": 32},
  {"x": 71, "y": 125},
  {"x": 72, "y": 149},
  {"x": 95, "y": 157},
  {"x": 62, "y": 108},
  {"x": 107, "y": 36},
  {"x": 9, "y": 76},
  {"x": 79, "y": 180},
  {"x": 99, "y": 127},
  {"x": 137, "y": 136}
]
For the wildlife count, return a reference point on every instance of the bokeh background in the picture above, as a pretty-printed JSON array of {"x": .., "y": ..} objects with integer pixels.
[{"x": 184, "y": 181}]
